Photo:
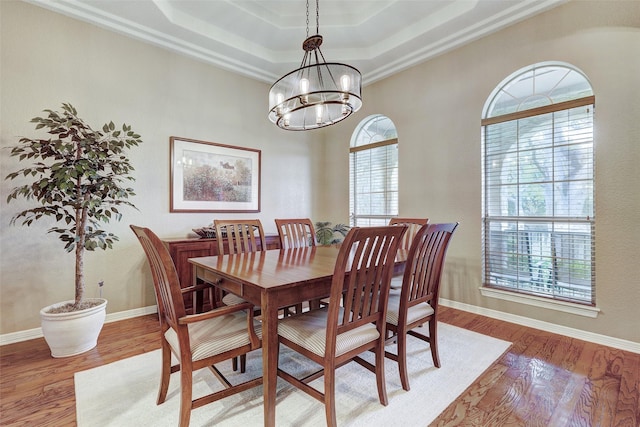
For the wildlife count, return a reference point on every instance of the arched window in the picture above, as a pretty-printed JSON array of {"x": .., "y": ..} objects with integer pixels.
[
  {"x": 373, "y": 172},
  {"x": 538, "y": 184}
]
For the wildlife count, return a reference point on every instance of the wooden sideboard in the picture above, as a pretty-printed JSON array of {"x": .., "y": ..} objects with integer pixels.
[{"x": 183, "y": 249}]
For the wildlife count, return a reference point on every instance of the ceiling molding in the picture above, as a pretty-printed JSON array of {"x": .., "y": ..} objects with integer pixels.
[{"x": 262, "y": 39}]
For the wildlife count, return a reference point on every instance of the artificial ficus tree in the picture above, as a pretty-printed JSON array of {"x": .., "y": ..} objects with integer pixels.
[{"x": 78, "y": 176}]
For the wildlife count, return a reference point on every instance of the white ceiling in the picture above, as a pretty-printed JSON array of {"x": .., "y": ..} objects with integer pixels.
[{"x": 262, "y": 39}]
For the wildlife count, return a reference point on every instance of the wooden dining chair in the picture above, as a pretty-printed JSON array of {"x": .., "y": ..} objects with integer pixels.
[
  {"x": 413, "y": 225},
  {"x": 334, "y": 335},
  {"x": 199, "y": 340},
  {"x": 296, "y": 233},
  {"x": 238, "y": 236},
  {"x": 417, "y": 302}
]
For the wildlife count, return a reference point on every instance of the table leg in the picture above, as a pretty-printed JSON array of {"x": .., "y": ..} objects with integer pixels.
[{"x": 269, "y": 358}]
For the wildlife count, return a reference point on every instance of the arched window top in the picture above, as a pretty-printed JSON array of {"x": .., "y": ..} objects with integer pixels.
[
  {"x": 373, "y": 129},
  {"x": 535, "y": 86}
]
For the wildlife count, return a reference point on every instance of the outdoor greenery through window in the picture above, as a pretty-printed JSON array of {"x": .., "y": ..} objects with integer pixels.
[
  {"x": 538, "y": 184},
  {"x": 373, "y": 172}
]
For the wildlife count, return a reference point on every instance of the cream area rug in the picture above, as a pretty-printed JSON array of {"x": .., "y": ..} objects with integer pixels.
[{"x": 124, "y": 393}]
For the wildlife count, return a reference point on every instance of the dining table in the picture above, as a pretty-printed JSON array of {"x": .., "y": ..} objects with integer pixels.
[{"x": 273, "y": 279}]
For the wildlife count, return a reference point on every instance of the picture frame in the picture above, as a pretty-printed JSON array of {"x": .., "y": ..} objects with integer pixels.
[{"x": 211, "y": 177}]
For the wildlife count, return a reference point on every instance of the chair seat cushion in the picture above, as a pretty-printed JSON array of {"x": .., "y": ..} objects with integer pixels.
[
  {"x": 309, "y": 331},
  {"x": 415, "y": 313},
  {"x": 232, "y": 299},
  {"x": 215, "y": 336}
]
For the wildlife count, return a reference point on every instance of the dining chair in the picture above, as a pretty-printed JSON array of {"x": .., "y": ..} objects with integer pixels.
[
  {"x": 413, "y": 225},
  {"x": 238, "y": 236},
  {"x": 199, "y": 340},
  {"x": 334, "y": 335},
  {"x": 417, "y": 301},
  {"x": 296, "y": 233}
]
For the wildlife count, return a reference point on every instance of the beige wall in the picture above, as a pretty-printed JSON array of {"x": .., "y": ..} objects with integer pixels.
[
  {"x": 47, "y": 59},
  {"x": 436, "y": 107}
]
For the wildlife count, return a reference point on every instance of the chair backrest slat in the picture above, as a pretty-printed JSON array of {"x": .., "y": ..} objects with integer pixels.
[
  {"x": 361, "y": 278},
  {"x": 295, "y": 233},
  {"x": 239, "y": 236}
]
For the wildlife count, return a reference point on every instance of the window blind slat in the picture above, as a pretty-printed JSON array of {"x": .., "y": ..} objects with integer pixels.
[
  {"x": 373, "y": 187},
  {"x": 538, "y": 219}
]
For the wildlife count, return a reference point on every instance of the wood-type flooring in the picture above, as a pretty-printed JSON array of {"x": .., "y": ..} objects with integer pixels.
[{"x": 544, "y": 379}]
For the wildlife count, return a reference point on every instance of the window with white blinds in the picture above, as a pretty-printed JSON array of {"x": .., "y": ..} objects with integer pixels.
[
  {"x": 373, "y": 172},
  {"x": 538, "y": 186}
]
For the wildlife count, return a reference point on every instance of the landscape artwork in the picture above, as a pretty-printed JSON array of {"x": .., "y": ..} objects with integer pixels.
[{"x": 210, "y": 177}]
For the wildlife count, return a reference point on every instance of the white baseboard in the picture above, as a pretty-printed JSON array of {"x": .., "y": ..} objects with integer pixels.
[
  {"x": 631, "y": 346},
  {"x": 29, "y": 334}
]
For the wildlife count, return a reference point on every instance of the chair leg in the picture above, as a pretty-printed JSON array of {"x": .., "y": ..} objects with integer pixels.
[
  {"x": 330, "y": 396},
  {"x": 186, "y": 385},
  {"x": 382, "y": 386},
  {"x": 234, "y": 364},
  {"x": 165, "y": 374},
  {"x": 433, "y": 342},
  {"x": 243, "y": 363},
  {"x": 401, "y": 339}
]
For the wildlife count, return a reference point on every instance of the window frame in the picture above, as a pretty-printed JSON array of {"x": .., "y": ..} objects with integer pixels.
[
  {"x": 390, "y": 189},
  {"x": 575, "y": 306}
]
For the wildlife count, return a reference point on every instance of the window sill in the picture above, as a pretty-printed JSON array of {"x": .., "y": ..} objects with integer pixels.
[{"x": 567, "y": 307}]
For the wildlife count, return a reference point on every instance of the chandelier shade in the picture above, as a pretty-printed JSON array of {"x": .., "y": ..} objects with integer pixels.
[{"x": 317, "y": 94}]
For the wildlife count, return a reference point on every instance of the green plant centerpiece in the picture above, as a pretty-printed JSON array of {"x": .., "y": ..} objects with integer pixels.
[
  {"x": 326, "y": 234},
  {"x": 78, "y": 176}
]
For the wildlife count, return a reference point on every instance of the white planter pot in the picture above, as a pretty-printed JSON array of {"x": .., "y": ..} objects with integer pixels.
[{"x": 73, "y": 333}]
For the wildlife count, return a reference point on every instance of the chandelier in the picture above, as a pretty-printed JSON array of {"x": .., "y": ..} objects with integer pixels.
[{"x": 317, "y": 94}]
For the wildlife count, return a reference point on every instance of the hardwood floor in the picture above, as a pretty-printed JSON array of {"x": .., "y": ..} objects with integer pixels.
[{"x": 542, "y": 380}]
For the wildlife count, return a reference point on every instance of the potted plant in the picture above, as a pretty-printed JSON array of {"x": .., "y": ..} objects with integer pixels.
[
  {"x": 328, "y": 235},
  {"x": 78, "y": 177}
]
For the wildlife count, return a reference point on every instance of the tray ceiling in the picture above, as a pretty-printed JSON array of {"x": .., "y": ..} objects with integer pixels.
[{"x": 262, "y": 39}]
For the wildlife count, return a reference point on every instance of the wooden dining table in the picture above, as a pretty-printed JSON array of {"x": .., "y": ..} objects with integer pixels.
[{"x": 273, "y": 279}]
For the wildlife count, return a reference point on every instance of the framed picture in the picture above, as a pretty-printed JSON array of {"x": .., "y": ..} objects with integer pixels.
[{"x": 210, "y": 177}]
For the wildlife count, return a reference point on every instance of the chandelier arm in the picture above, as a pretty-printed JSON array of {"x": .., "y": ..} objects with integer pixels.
[
  {"x": 321, "y": 56},
  {"x": 324, "y": 62},
  {"x": 304, "y": 60}
]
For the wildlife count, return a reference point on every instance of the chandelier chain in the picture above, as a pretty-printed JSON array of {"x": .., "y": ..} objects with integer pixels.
[
  {"x": 317, "y": 16},
  {"x": 307, "y": 18}
]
